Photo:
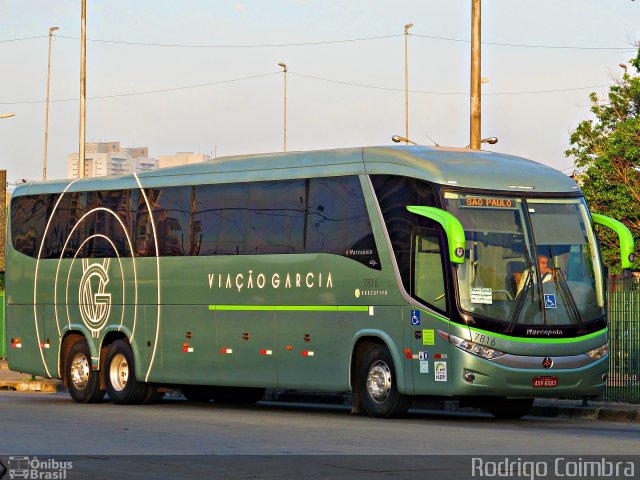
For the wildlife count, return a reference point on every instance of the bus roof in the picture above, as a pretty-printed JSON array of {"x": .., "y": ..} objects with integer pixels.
[{"x": 458, "y": 167}]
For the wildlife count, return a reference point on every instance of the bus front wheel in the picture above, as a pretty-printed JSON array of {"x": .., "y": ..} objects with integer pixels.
[
  {"x": 377, "y": 384},
  {"x": 82, "y": 381},
  {"x": 120, "y": 375}
]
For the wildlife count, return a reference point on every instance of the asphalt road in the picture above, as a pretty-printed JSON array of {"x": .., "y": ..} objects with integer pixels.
[{"x": 283, "y": 435}]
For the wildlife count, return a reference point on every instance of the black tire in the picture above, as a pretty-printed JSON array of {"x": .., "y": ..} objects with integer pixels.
[
  {"x": 377, "y": 384},
  {"x": 120, "y": 375},
  {"x": 197, "y": 394},
  {"x": 238, "y": 395},
  {"x": 83, "y": 382},
  {"x": 510, "y": 408}
]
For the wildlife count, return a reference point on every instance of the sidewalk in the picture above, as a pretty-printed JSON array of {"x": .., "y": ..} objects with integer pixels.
[
  {"x": 615, "y": 412},
  {"x": 23, "y": 382}
]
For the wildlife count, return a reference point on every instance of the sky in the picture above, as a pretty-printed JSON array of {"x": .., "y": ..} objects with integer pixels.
[{"x": 202, "y": 75}]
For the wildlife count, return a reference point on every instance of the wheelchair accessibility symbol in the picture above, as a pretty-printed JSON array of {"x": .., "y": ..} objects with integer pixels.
[
  {"x": 550, "y": 300},
  {"x": 415, "y": 317}
]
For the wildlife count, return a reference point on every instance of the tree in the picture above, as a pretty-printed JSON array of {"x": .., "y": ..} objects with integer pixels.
[{"x": 606, "y": 154}]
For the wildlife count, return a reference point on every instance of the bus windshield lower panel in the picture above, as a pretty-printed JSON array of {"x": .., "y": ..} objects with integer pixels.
[{"x": 531, "y": 265}]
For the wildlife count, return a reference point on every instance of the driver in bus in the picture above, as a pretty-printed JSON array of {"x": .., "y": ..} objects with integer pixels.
[{"x": 546, "y": 274}]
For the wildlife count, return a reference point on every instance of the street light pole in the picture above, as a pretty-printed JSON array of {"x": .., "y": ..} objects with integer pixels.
[
  {"x": 284, "y": 69},
  {"x": 46, "y": 115},
  {"x": 406, "y": 79},
  {"x": 474, "y": 137},
  {"x": 398, "y": 139},
  {"x": 83, "y": 87}
]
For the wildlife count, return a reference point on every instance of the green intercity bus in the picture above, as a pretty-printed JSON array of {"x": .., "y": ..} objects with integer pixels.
[{"x": 388, "y": 272}]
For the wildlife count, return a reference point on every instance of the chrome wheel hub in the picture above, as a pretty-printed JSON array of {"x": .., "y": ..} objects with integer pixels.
[
  {"x": 80, "y": 371},
  {"x": 379, "y": 381},
  {"x": 119, "y": 372}
]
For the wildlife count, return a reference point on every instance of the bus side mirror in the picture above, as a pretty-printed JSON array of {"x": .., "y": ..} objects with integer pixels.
[
  {"x": 452, "y": 228},
  {"x": 624, "y": 235}
]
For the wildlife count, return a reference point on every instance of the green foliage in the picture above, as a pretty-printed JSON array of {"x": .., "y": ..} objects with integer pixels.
[{"x": 606, "y": 152}]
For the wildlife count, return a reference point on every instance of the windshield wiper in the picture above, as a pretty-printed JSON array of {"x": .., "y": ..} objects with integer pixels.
[
  {"x": 572, "y": 306},
  {"x": 520, "y": 298}
]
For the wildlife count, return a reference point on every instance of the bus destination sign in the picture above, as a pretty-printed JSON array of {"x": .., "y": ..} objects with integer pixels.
[{"x": 488, "y": 202}]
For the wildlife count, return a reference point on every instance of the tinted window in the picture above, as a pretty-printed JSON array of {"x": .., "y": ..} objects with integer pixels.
[
  {"x": 71, "y": 208},
  {"x": 171, "y": 216},
  {"x": 338, "y": 221},
  {"x": 428, "y": 282},
  {"x": 394, "y": 194},
  {"x": 144, "y": 243},
  {"x": 103, "y": 227},
  {"x": 28, "y": 221},
  {"x": 276, "y": 216},
  {"x": 326, "y": 215},
  {"x": 219, "y": 220}
]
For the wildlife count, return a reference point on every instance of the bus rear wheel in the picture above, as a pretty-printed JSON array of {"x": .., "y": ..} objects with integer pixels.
[
  {"x": 510, "y": 408},
  {"x": 377, "y": 384},
  {"x": 83, "y": 382},
  {"x": 120, "y": 375}
]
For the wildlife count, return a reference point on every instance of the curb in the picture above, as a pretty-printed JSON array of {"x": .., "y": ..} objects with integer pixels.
[
  {"x": 17, "y": 382},
  {"x": 541, "y": 407},
  {"x": 32, "y": 386},
  {"x": 617, "y": 413}
]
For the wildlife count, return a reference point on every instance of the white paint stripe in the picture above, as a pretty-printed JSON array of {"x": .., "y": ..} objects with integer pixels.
[
  {"x": 35, "y": 275},
  {"x": 155, "y": 239}
]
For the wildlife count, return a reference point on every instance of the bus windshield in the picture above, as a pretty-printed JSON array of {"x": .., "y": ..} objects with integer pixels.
[{"x": 528, "y": 262}]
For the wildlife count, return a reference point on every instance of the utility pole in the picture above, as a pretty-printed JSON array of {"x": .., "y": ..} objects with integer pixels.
[
  {"x": 475, "y": 136},
  {"x": 284, "y": 70},
  {"x": 83, "y": 87},
  {"x": 406, "y": 80}
]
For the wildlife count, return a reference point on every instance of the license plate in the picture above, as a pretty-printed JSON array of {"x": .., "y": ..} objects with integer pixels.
[{"x": 545, "y": 382}]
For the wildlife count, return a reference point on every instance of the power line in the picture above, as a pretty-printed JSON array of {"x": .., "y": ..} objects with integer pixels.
[
  {"x": 523, "y": 45},
  {"x": 328, "y": 80},
  {"x": 23, "y": 38},
  {"x": 326, "y": 42},
  {"x": 340, "y": 82},
  {"x": 130, "y": 94},
  {"x": 259, "y": 45}
]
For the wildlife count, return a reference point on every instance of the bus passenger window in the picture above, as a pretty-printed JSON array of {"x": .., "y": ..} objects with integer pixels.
[
  {"x": 276, "y": 214},
  {"x": 28, "y": 221},
  {"x": 338, "y": 221},
  {"x": 219, "y": 219}
]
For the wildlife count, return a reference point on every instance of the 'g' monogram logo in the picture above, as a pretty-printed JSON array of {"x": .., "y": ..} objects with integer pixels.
[{"x": 94, "y": 302}]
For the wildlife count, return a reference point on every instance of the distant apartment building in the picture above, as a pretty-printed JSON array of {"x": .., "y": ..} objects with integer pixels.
[
  {"x": 182, "y": 158},
  {"x": 107, "y": 158}
]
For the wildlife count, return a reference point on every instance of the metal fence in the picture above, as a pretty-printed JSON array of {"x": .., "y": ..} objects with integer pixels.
[
  {"x": 624, "y": 341},
  {"x": 3, "y": 344}
]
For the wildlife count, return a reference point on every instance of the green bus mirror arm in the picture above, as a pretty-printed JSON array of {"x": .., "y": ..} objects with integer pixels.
[
  {"x": 624, "y": 235},
  {"x": 452, "y": 227}
]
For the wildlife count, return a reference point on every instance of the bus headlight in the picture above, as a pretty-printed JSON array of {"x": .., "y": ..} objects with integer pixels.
[
  {"x": 475, "y": 348},
  {"x": 598, "y": 353}
]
